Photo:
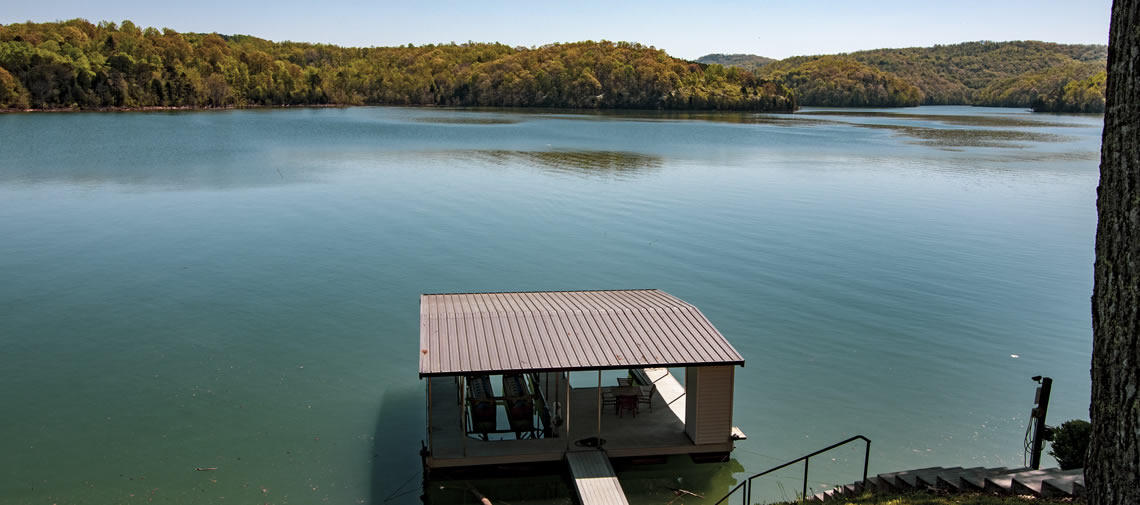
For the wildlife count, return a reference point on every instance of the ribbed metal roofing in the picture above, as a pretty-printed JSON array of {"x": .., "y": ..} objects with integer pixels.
[{"x": 468, "y": 333}]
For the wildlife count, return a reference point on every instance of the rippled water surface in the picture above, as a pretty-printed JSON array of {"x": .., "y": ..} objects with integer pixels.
[{"x": 239, "y": 290}]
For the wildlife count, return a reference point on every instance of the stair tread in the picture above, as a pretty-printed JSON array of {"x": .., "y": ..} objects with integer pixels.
[
  {"x": 978, "y": 479},
  {"x": 1006, "y": 480},
  {"x": 1067, "y": 482},
  {"x": 910, "y": 478},
  {"x": 894, "y": 474},
  {"x": 1035, "y": 481},
  {"x": 928, "y": 478}
]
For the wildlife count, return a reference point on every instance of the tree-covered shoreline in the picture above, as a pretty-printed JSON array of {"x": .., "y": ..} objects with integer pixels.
[
  {"x": 1044, "y": 76},
  {"x": 76, "y": 64}
]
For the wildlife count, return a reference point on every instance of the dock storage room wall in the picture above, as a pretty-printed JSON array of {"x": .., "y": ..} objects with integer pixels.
[{"x": 708, "y": 404}]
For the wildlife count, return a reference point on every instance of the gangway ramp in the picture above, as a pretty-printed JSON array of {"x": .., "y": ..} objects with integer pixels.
[{"x": 594, "y": 478}]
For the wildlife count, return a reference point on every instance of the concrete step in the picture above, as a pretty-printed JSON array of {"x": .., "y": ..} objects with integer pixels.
[
  {"x": 977, "y": 481},
  {"x": 905, "y": 480},
  {"x": 923, "y": 479},
  {"x": 816, "y": 497},
  {"x": 877, "y": 485},
  {"x": 1004, "y": 483},
  {"x": 1034, "y": 484},
  {"x": 1051, "y": 482},
  {"x": 1066, "y": 483},
  {"x": 952, "y": 480}
]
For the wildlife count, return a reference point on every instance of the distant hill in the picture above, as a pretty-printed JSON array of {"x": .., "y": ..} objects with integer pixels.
[
  {"x": 749, "y": 62},
  {"x": 1011, "y": 74},
  {"x": 82, "y": 65}
]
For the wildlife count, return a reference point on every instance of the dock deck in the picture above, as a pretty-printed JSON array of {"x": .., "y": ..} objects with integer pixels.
[{"x": 594, "y": 478}]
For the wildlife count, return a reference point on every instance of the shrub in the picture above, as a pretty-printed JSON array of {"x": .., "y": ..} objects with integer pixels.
[{"x": 1069, "y": 443}]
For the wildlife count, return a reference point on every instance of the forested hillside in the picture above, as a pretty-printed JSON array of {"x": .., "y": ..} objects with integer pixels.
[
  {"x": 744, "y": 61},
  {"x": 835, "y": 81},
  {"x": 1042, "y": 75},
  {"x": 78, "y": 64}
]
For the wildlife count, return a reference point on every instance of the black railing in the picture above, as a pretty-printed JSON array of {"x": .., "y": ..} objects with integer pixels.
[{"x": 747, "y": 484}]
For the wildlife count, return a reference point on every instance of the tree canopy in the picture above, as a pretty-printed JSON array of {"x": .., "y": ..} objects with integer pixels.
[
  {"x": 78, "y": 64},
  {"x": 1042, "y": 75}
]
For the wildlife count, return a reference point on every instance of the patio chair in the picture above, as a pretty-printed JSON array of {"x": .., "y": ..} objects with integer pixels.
[
  {"x": 608, "y": 399},
  {"x": 646, "y": 396},
  {"x": 624, "y": 381},
  {"x": 627, "y": 403}
]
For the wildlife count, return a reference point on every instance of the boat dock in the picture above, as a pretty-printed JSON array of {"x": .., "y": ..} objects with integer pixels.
[{"x": 555, "y": 354}]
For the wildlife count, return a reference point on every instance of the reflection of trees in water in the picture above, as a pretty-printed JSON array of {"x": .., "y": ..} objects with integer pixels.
[
  {"x": 947, "y": 137},
  {"x": 951, "y": 119},
  {"x": 576, "y": 162},
  {"x": 464, "y": 120}
]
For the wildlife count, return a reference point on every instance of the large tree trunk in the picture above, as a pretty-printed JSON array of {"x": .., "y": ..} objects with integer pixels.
[{"x": 1113, "y": 466}]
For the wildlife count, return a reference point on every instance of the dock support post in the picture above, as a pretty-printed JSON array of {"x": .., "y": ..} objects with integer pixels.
[
  {"x": 462, "y": 414},
  {"x": 599, "y": 406},
  {"x": 568, "y": 408}
]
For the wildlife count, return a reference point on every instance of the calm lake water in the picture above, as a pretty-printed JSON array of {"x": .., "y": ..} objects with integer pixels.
[{"x": 239, "y": 289}]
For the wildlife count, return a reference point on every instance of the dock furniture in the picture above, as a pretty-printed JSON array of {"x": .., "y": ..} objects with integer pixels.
[
  {"x": 627, "y": 398},
  {"x": 550, "y": 348},
  {"x": 646, "y": 396}
]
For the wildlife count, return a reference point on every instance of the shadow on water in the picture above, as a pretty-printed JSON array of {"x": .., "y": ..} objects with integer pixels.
[
  {"x": 673, "y": 481},
  {"x": 677, "y": 481},
  {"x": 396, "y": 469}
]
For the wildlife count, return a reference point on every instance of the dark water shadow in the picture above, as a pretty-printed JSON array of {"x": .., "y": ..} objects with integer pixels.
[
  {"x": 396, "y": 475},
  {"x": 674, "y": 479}
]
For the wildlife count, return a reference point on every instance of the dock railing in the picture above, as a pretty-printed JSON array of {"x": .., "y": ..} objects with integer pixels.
[{"x": 746, "y": 486}]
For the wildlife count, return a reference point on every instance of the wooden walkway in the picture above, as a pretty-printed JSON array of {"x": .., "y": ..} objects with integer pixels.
[{"x": 594, "y": 479}]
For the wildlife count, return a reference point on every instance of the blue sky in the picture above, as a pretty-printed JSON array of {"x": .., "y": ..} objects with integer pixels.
[{"x": 684, "y": 29}]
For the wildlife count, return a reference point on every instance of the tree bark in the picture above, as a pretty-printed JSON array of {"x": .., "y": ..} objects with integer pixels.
[{"x": 1113, "y": 466}]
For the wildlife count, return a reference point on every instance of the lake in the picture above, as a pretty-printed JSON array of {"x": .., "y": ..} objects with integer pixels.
[{"x": 239, "y": 289}]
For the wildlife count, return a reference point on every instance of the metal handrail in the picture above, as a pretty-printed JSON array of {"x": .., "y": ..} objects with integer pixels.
[{"x": 747, "y": 484}]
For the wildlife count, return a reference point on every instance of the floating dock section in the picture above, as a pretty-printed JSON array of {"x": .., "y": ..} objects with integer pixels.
[{"x": 594, "y": 478}]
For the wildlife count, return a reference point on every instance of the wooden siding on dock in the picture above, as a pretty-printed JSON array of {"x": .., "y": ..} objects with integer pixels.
[{"x": 709, "y": 418}]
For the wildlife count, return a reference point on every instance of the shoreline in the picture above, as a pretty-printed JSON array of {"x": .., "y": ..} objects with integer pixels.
[
  {"x": 166, "y": 108},
  {"x": 192, "y": 108}
]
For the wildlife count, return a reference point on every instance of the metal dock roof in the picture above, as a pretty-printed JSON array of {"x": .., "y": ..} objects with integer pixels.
[{"x": 466, "y": 333}]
